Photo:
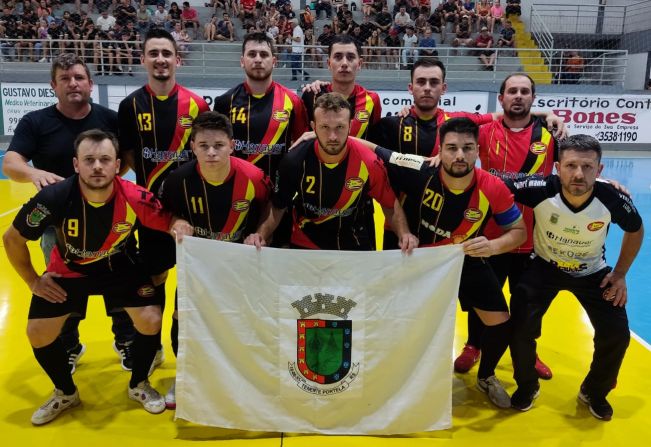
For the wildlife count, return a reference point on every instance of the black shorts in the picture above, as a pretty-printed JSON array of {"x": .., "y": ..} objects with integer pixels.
[
  {"x": 479, "y": 287},
  {"x": 511, "y": 265},
  {"x": 157, "y": 250},
  {"x": 127, "y": 288}
]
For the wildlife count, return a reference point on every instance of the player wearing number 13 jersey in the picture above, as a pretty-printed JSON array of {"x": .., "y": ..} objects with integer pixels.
[{"x": 155, "y": 123}]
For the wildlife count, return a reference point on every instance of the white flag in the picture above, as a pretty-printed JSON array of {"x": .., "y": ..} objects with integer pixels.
[{"x": 316, "y": 341}]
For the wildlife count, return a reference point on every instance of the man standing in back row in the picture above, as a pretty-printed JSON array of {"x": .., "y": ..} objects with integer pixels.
[{"x": 155, "y": 125}]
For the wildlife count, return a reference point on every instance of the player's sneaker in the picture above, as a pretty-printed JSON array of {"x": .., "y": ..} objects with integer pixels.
[
  {"x": 495, "y": 391},
  {"x": 544, "y": 372},
  {"x": 467, "y": 359},
  {"x": 599, "y": 406},
  {"x": 55, "y": 405},
  {"x": 523, "y": 399},
  {"x": 74, "y": 355},
  {"x": 170, "y": 397},
  {"x": 159, "y": 358},
  {"x": 123, "y": 350},
  {"x": 148, "y": 397}
]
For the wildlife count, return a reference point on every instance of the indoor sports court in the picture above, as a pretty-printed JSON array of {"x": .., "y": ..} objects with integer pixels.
[{"x": 107, "y": 418}]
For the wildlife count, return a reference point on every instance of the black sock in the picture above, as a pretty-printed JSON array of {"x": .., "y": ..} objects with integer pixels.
[
  {"x": 53, "y": 358},
  {"x": 475, "y": 329},
  {"x": 495, "y": 340},
  {"x": 159, "y": 292},
  {"x": 144, "y": 349},
  {"x": 174, "y": 335}
]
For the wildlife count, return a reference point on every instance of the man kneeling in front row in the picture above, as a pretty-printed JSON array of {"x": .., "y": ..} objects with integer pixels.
[{"x": 95, "y": 214}]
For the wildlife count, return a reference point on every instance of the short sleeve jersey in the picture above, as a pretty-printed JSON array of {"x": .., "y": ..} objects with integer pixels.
[
  {"x": 46, "y": 136},
  {"x": 226, "y": 211},
  {"x": 365, "y": 104},
  {"x": 329, "y": 199},
  {"x": 263, "y": 127},
  {"x": 573, "y": 239},
  {"x": 157, "y": 130},
  {"x": 91, "y": 238},
  {"x": 414, "y": 135},
  {"x": 438, "y": 215},
  {"x": 516, "y": 154}
]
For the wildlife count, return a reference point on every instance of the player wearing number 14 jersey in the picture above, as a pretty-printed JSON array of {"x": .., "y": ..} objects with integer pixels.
[{"x": 266, "y": 116}]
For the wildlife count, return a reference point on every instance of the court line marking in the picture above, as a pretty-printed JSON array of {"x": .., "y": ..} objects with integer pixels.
[
  {"x": 641, "y": 341},
  {"x": 9, "y": 212}
]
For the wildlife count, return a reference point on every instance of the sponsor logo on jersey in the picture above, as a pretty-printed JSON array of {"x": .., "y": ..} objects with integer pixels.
[
  {"x": 35, "y": 216},
  {"x": 458, "y": 238},
  {"x": 538, "y": 148},
  {"x": 241, "y": 205},
  {"x": 473, "y": 214},
  {"x": 185, "y": 121},
  {"x": 554, "y": 218},
  {"x": 146, "y": 291},
  {"x": 354, "y": 184},
  {"x": 362, "y": 116},
  {"x": 596, "y": 226},
  {"x": 324, "y": 363},
  {"x": 121, "y": 227},
  {"x": 282, "y": 116}
]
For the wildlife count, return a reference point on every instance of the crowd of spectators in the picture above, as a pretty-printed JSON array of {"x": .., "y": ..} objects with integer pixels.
[{"x": 38, "y": 29}]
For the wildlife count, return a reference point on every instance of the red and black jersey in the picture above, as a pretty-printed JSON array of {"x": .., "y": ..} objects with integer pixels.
[
  {"x": 414, "y": 135},
  {"x": 263, "y": 127},
  {"x": 516, "y": 154},
  {"x": 227, "y": 211},
  {"x": 157, "y": 130},
  {"x": 441, "y": 216},
  {"x": 365, "y": 104},
  {"x": 92, "y": 238},
  {"x": 329, "y": 199}
]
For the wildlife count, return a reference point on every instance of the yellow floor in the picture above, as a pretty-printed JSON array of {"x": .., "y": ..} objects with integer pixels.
[{"x": 107, "y": 418}]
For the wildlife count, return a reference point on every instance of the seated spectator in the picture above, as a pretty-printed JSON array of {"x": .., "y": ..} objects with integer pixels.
[
  {"x": 373, "y": 52},
  {"x": 287, "y": 11},
  {"x": 311, "y": 56},
  {"x": 247, "y": 11},
  {"x": 105, "y": 21},
  {"x": 450, "y": 12},
  {"x": 401, "y": 20},
  {"x": 324, "y": 40},
  {"x": 468, "y": 8},
  {"x": 225, "y": 30},
  {"x": 513, "y": 7},
  {"x": 392, "y": 41},
  {"x": 143, "y": 18},
  {"x": 507, "y": 35},
  {"x": 90, "y": 34},
  {"x": 335, "y": 24},
  {"x": 487, "y": 54},
  {"x": 367, "y": 7},
  {"x": 463, "y": 36},
  {"x": 572, "y": 68},
  {"x": 124, "y": 52},
  {"x": 160, "y": 17},
  {"x": 483, "y": 14},
  {"x": 174, "y": 13},
  {"x": 272, "y": 29},
  {"x": 182, "y": 39},
  {"x": 210, "y": 28},
  {"x": 409, "y": 47},
  {"x": 341, "y": 12},
  {"x": 496, "y": 16},
  {"x": 427, "y": 45},
  {"x": 421, "y": 22},
  {"x": 25, "y": 45},
  {"x": 306, "y": 19},
  {"x": 383, "y": 19},
  {"x": 400, "y": 4},
  {"x": 348, "y": 24},
  {"x": 190, "y": 19},
  {"x": 339, "y": 5},
  {"x": 425, "y": 6},
  {"x": 435, "y": 21},
  {"x": 215, "y": 4},
  {"x": 232, "y": 8},
  {"x": 125, "y": 12},
  {"x": 357, "y": 35},
  {"x": 272, "y": 13},
  {"x": 323, "y": 5}
]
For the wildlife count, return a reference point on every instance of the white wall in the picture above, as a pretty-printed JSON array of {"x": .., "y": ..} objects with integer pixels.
[{"x": 636, "y": 71}]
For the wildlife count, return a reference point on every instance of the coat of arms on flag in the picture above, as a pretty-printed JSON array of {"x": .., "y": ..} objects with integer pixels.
[{"x": 323, "y": 347}]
